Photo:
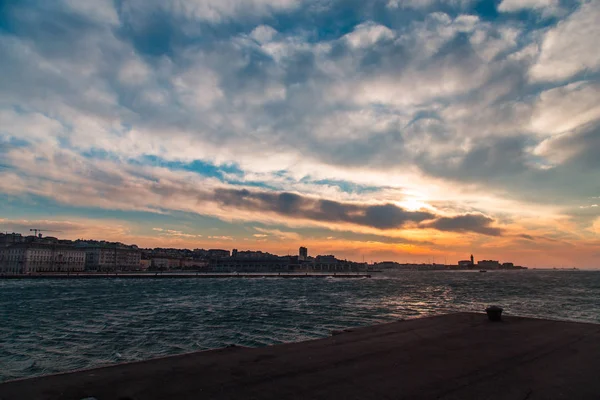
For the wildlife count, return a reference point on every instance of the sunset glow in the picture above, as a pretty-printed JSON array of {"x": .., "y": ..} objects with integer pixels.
[{"x": 402, "y": 130}]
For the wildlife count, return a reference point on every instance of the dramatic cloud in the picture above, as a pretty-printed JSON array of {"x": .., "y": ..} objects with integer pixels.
[
  {"x": 467, "y": 223},
  {"x": 378, "y": 216},
  {"x": 569, "y": 48},
  {"x": 416, "y": 122},
  {"x": 383, "y": 216},
  {"x": 567, "y": 107}
]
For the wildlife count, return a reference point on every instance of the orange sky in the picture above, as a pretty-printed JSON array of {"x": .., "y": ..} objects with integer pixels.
[{"x": 403, "y": 130}]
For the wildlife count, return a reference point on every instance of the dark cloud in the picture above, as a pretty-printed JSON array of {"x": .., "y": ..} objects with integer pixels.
[
  {"x": 466, "y": 223},
  {"x": 379, "y": 216},
  {"x": 384, "y": 216}
]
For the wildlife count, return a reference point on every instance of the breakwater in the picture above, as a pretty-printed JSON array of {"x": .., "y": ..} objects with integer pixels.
[{"x": 205, "y": 275}]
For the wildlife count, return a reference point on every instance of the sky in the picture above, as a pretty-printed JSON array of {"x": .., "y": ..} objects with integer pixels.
[{"x": 403, "y": 130}]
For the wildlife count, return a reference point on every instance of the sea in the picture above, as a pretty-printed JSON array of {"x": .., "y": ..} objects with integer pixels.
[{"x": 50, "y": 326}]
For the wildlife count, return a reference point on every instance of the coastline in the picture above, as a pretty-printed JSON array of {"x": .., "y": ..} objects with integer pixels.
[{"x": 194, "y": 275}]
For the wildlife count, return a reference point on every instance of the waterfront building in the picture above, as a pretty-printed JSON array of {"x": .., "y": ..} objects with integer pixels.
[
  {"x": 337, "y": 266},
  {"x": 145, "y": 265},
  {"x": 191, "y": 264},
  {"x": 303, "y": 253},
  {"x": 159, "y": 264},
  {"x": 217, "y": 253},
  {"x": 386, "y": 264},
  {"x": 489, "y": 264},
  {"x": 328, "y": 263},
  {"x": 326, "y": 259},
  {"x": 112, "y": 257},
  {"x": 8, "y": 239},
  {"x": 167, "y": 264},
  {"x": 26, "y": 258},
  {"x": 248, "y": 254},
  {"x": 465, "y": 263},
  {"x": 199, "y": 254},
  {"x": 270, "y": 264}
]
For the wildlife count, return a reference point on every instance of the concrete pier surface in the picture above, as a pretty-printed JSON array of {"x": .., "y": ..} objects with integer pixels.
[{"x": 456, "y": 356}]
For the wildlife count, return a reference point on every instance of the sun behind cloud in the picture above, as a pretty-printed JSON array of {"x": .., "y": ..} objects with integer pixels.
[{"x": 392, "y": 129}]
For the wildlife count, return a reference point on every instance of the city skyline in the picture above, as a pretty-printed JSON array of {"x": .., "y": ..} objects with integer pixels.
[
  {"x": 24, "y": 240},
  {"x": 394, "y": 130},
  {"x": 36, "y": 254}
]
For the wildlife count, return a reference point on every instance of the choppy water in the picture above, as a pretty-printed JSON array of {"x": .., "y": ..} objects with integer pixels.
[{"x": 49, "y": 326}]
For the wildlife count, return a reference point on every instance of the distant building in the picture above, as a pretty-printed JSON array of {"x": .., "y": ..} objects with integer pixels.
[
  {"x": 283, "y": 264},
  {"x": 167, "y": 264},
  {"x": 26, "y": 258},
  {"x": 193, "y": 264},
  {"x": 326, "y": 259},
  {"x": 303, "y": 253},
  {"x": 217, "y": 253},
  {"x": 145, "y": 265},
  {"x": 112, "y": 257},
  {"x": 199, "y": 253},
  {"x": 270, "y": 264},
  {"x": 159, "y": 264},
  {"x": 386, "y": 265},
  {"x": 465, "y": 263},
  {"x": 490, "y": 264},
  {"x": 329, "y": 263},
  {"x": 254, "y": 255},
  {"x": 9, "y": 239},
  {"x": 234, "y": 253}
]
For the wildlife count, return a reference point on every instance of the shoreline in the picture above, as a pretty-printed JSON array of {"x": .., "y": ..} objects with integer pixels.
[{"x": 194, "y": 275}]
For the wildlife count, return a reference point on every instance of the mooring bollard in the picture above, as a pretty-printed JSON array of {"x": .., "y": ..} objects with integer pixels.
[{"x": 494, "y": 313}]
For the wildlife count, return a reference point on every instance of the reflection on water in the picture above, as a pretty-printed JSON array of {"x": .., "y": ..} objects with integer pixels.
[{"x": 53, "y": 326}]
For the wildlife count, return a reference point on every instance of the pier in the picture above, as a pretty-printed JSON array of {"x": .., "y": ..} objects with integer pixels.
[
  {"x": 197, "y": 275},
  {"x": 456, "y": 356}
]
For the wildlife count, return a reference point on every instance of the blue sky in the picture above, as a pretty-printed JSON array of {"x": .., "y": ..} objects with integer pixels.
[{"x": 390, "y": 129}]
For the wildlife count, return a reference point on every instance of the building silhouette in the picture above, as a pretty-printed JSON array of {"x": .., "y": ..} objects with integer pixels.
[{"x": 303, "y": 253}]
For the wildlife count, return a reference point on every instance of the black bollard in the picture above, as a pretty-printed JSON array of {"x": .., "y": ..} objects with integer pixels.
[{"x": 494, "y": 313}]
